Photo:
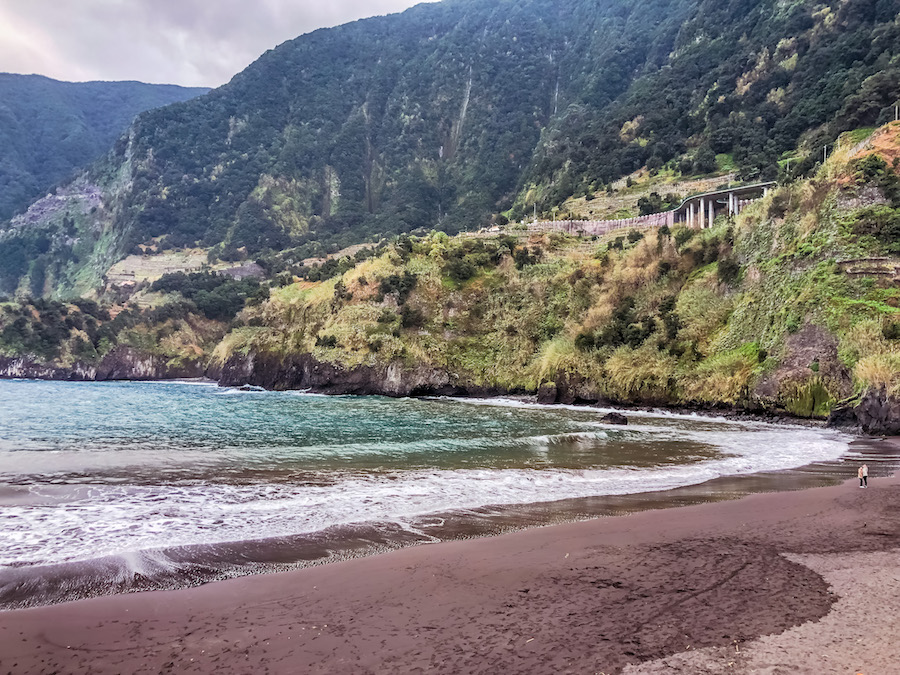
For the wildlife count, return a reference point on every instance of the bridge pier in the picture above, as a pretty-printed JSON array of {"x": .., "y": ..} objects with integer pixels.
[{"x": 712, "y": 211}]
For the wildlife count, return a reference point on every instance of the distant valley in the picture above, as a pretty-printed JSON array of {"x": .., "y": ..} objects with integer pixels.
[{"x": 50, "y": 128}]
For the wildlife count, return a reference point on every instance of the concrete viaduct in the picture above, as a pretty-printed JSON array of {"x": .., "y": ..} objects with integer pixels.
[{"x": 697, "y": 211}]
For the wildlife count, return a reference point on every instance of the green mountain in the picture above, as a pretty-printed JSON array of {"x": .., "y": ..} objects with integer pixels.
[
  {"x": 451, "y": 112},
  {"x": 49, "y": 128}
]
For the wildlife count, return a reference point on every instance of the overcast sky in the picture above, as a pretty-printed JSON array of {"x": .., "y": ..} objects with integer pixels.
[{"x": 187, "y": 42}]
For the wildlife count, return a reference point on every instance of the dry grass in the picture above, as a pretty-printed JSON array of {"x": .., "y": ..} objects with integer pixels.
[
  {"x": 237, "y": 341},
  {"x": 877, "y": 360},
  {"x": 724, "y": 378},
  {"x": 644, "y": 373},
  {"x": 879, "y": 370},
  {"x": 556, "y": 356}
]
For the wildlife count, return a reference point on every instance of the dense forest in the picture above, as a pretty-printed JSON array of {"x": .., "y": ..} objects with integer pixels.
[
  {"x": 452, "y": 112},
  {"x": 49, "y": 128}
]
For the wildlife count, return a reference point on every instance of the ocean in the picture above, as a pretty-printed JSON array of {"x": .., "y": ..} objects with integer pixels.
[{"x": 113, "y": 487}]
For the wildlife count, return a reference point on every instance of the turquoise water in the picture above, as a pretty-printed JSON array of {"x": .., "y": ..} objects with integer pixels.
[{"x": 91, "y": 470}]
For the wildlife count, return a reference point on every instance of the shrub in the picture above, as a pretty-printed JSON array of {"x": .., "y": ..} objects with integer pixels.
[
  {"x": 217, "y": 297},
  {"x": 728, "y": 271},
  {"x": 411, "y": 317},
  {"x": 881, "y": 222},
  {"x": 873, "y": 169},
  {"x": 402, "y": 285},
  {"x": 891, "y": 330},
  {"x": 326, "y": 341},
  {"x": 705, "y": 160},
  {"x": 652, "y": 203},
  {"x": 523, "y": 258},
  {"x": 683, "y": 235},
  {"x": 623, "y": 328}
]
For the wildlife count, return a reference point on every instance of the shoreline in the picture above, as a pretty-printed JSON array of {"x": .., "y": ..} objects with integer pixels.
[
  {"x": 194, "y": 564},
  {"x": 191, "y": 565},
  {"x": 586, "y": 596},
  {"x": 726, "y": 411},
  {"x": 19, "y": 368}
]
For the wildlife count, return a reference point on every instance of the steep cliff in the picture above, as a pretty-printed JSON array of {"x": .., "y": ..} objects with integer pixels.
[
  {"x": 792, "y": 307},
  {"x": 48, "y": 129},
  {"x": 453, "y": 111}
]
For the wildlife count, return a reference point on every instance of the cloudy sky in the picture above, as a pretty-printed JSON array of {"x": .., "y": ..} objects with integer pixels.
[{"x": 187, "y": 42}]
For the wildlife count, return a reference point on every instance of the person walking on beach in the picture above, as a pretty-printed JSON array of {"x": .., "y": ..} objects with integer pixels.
[{"x": 865, "y": 475}]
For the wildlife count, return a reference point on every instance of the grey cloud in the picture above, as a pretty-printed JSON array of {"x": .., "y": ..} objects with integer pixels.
[{"x": 189, "y": 42}]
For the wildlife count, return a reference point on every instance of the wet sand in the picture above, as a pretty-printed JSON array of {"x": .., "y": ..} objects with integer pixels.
[{"x": 691, "y": 589}]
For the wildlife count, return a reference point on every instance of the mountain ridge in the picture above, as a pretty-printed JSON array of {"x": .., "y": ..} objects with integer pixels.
[
  {"x": 449, "y": 113},
  {"x": 48, "y": 128}
]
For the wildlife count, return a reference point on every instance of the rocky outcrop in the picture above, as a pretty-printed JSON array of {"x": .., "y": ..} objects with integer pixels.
[
  {"x": 615, "y": 418},
  {"x": 304, "y": 371},
  {"x": 876, "y": 413},
  {"x": 569, "y": 388},
  {"x": 809, "y": 377},
  {"x": 122, "y": 363}
]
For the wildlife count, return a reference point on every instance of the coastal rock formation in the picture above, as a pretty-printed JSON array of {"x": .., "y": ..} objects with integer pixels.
[
  {"x": 303, "y": 371},
  {"x": 810, "y": 375},
  {"x": 615, "y": 418},
  {"x": 877, "y": 412},
  {"x": 122, "y": 363}
]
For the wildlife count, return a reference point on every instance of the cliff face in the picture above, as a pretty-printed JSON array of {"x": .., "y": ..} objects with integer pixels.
[
  {"x": 452, "y": 112},
  {"x": 49, "y": 128},
  {"x": 304, "y": 371},
  {"x": 876, "y": 413},
  {"x": 122, "y": 363}
]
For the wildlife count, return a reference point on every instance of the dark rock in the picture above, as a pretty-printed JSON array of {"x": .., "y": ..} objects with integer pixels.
[
  {"x": 812, "y": 346},
  {"x": 304, "y": 371},
  {"x": 121, "y": 363},
  {"x": 843, "y": 415},
  {"x": 615, "y": 418},
  {"x": 547, "y": 393},
  {"x": 878, "y": 413}
]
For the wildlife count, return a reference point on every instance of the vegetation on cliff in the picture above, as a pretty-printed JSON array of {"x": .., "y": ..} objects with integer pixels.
[
  {"x": 48, "y": 129},
  {"x": 183, "y": 320},
  {"x": 770, "y": 309},
  {"x": 793, "y": 305}
]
